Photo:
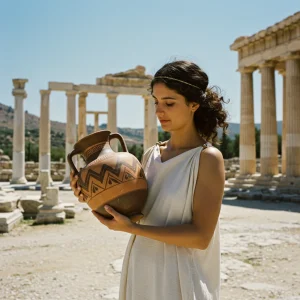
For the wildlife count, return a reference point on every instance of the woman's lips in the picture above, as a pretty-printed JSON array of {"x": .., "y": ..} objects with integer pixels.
[{"x": 163, "y": 121}]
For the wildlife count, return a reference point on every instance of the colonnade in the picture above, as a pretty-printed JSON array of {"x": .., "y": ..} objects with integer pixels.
[
  {"x": 290, "y": 117},
  {"x": 150, "y": 130}
]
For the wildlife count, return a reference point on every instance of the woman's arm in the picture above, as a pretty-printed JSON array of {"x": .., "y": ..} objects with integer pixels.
[{"x": 206, "y": 209}]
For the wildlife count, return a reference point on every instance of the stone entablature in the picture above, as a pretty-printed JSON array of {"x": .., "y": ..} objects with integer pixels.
[
  {"x": 135, "y": 78},
  {"x": 274, "y": 43}
]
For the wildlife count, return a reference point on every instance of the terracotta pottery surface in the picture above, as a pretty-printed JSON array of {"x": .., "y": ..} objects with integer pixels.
[{"x": 113, "y": 178}]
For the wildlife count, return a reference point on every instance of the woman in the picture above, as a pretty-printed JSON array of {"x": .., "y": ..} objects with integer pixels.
[{"x": 174, "y": 252}]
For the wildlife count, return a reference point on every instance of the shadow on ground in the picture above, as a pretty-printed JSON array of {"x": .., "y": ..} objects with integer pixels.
[{"x": 263, "y": 205}]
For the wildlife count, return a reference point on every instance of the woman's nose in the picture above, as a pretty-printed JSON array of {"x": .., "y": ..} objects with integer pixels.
[{"x": 159, "y": 109}]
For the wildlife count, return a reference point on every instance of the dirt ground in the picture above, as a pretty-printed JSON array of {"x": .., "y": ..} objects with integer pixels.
[{"x": 81, "y": 259}]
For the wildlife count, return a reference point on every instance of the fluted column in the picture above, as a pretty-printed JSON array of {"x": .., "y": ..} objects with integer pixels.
[
  {"x": 44, "y": 136},
  {"x": 82, "y": 132},
  {"x": 152, "y": 130},
  {"x": 20, "y": 94},
  {"x": 96, "y": 122},
  {"x": 283, "y": 134},
  {"x": 70, "y": 130},
  {"x": 247, "y": 127},
  {"x": 146, "y": 125},
  {"x": 268, "y": 134},
  {"x": 112, "y": 117},
  {"x": 293, "y": 115}
]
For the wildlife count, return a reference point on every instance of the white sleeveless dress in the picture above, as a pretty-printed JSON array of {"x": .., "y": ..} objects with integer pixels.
[{"x": 154, "y": 270}]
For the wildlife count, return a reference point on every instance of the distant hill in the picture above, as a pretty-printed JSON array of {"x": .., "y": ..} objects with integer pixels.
[
  {"x": 131, "y": 135},
  {"x": 234, "y": 128}
]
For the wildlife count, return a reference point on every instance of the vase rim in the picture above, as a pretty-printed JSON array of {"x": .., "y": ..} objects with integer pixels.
[{"x": 91, "y": 139}]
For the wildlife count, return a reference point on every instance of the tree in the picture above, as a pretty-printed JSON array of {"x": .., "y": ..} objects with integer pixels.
[
  {"x": 236, "y": 146},
  {"x": 226, "y": 146}
]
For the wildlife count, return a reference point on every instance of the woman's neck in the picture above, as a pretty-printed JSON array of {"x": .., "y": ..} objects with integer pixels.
[{"x": 184, "y": 139}]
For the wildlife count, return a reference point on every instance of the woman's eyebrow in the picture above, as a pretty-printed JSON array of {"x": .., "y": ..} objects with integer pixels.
[{"x": 165, "y": 98}]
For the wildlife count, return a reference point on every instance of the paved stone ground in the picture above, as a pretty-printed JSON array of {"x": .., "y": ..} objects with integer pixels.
[{"x": 82, "y": 259}]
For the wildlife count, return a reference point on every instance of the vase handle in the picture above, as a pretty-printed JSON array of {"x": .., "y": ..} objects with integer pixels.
[
  {"x": 70, "y": 161},
  {"x": 120, "y": 138}
]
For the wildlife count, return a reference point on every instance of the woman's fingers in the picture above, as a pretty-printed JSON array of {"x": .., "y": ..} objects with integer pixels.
[{"x": 75, "y": 187}]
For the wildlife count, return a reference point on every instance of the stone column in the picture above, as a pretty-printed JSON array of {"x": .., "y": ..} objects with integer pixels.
[
  {"x": 44, "y": 136},
  {"x": 96, "y": 122},
  {"x": 112, "y": 117},
  {"x": 146, "y": 125},
  {"x": 247, "y": 127},
  {"x": 70, "y": 130},
  {"x": 283, "y": 135},
  {"x": 293, "y": 116},
  {"x": 268, "y": 133},
  {"x": 82, "y": 132},
  {"x": 152, "y": 122},
  {"x": 20, "y": 94}
]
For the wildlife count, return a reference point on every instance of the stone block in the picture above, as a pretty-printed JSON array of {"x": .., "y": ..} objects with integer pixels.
[
  {"x": 271, "y": 197},
  {"x": 8, "y": 201},
  {"x": 50, "y": 215},
  {"x": 51, "y": 198},
  {"x": 7, "y": 205},
  {"x": 44, "y": 179},
  {"x": 250, "y": 195},
  {"x": 5, "y": 165},
  {"x": 6, "y": 172},
  {"x": 4, "y": 177},
  {"x": 71, "y": 210},
  {"x": 30, "y": 206},
  {"x": 4, "y": 158},
  {"x": 295, "y": 199},
  {"x": 9, "y": 220}
]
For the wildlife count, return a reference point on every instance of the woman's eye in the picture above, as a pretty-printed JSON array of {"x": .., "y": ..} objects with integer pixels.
[
  {"x": 170, "y": 104},
  {"x": 155, "y": 103}
]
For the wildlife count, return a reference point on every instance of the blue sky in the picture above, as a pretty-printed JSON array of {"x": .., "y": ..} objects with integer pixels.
[{"x": 78, "y": 41}]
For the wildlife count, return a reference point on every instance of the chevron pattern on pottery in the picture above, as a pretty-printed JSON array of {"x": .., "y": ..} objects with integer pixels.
[{"x": 97, "y": 181}]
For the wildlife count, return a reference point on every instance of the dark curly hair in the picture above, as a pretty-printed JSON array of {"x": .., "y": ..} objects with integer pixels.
[{"x": 211, "y": 114}]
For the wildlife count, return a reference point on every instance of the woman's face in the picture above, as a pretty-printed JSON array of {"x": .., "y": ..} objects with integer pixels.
[{"x": 171, "y": 108}]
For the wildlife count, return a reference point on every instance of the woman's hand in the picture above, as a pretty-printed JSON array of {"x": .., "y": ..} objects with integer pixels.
[
  {"x": 75, "y": 187},
  {"x": 118, "y": 223}
]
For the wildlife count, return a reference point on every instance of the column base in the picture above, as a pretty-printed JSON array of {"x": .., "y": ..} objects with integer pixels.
[
  {"x": 50, "y": 215},
  {"x": 19, "y": 180},
  {"x": 38, "y": 181},
  {"x": 242, "y": 181},
  {"x": 71, "y": 210},
  {"x": 8, "y": 220},
  {"x": 266, "y": 188},
  {"x": 18, "y": 164}
]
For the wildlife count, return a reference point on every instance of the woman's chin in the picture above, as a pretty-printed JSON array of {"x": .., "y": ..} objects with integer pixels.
[{"x": 165, "y": 124}]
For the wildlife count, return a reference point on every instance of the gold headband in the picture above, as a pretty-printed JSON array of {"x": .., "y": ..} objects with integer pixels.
[{"x": 177, "y": 80}]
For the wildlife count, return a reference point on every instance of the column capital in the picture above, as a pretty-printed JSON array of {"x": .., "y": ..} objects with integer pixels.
[
  {"x": 267, "y": 64},
  {"x": 291, "y": 56},
  {"x": 83, "y": 94},
  {"x": 246, "y": 69},
  {"x": 19, "y": 92},
  {"x": 45, "y": 92},
  {"x": 19, "y": 83},
  {"x": 71, "y": 93},
  {"x": 112, "y": 95}
]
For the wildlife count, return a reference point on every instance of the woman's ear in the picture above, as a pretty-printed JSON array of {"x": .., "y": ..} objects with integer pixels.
[{"x": 195, "y": 106}]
